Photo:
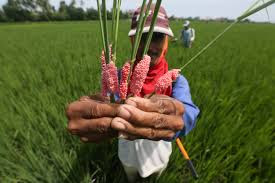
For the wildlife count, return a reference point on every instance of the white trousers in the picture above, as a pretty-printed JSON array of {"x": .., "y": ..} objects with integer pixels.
[{"x": 143, "y": 157}]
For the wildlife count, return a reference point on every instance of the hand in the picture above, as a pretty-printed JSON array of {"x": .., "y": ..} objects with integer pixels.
[
  {"x": 157, "y": 118},
  {"x": 91, "y": 119}
]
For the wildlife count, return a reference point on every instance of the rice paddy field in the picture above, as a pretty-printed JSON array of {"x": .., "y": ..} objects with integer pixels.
[{"x": 44, "y": 66}]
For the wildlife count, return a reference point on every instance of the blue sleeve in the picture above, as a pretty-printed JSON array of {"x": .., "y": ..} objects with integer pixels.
[{"x": 181, "y": 92}]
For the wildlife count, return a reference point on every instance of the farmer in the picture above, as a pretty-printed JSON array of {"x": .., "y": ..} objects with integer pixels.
[
  {"x": 145, "y": 127},
  {"x": 187, "y": 35}
]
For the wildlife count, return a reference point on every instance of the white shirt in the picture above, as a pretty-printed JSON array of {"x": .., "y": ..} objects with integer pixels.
[{"x": 146, "y": 156}]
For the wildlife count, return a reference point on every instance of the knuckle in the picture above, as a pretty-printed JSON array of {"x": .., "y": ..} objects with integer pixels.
[
  {"x": 180, "y": 107},
  {"x": 104, "y": 125},
  {"x": 159, "y": 121},
  {"x": 72, "y": 127},
  {"x": 166, "y": 106},
  {"x": 152, "y": 133},
  {"x": 96, "y": 110},
  {"x": 161, "y": 106},
  {"x": 179, "y": 124},
  {"x": 69, "y": 111}
]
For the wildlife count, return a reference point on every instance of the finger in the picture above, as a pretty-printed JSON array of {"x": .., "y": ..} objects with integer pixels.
[
  {"x": 81, "y": 127},
  {"x": 177, "y": 104},
  {"x": 161, "y": 104},
  {"x": 149, "y": 119},
  {"x": 90, "y": 109},
  {"x": 139, "y": 132}
]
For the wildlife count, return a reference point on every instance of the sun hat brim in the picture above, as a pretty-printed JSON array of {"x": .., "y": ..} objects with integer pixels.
[
  {"x": 186, "y": 24},
  {"x": 163, "y": 30}
]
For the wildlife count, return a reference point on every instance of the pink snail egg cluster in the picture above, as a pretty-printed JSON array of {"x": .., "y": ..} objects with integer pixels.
[
  {"x": 166, "y": 80},
  {"x": 123, "y": 88},
  {"x": 139, "y": 75}
]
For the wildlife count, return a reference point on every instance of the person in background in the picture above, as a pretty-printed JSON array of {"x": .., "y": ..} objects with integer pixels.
[
  {"x": 145, "y": 127},
  {"x": 187, "y": 35}
]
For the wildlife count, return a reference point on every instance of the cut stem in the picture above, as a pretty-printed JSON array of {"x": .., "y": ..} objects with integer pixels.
[
  {"x": 105, "y": 30},
  {"x": 256, "y": 10},
  {"x": 139, "y": 31},
  {"x": 101, "y": 24},
  {"x": 139, "y": 27},
  {"x": 114, "y": 19},
  {"x": 252, "y": 6},
  {"x": 246, "y": 14},
  {"x": 209, "y": 44},
  {"x": 142, "y": 25},
  {"x": 151, "y": 95},
  {"x": 116, "y": 29},
  {"x": 151, "y": 30},
  {"x": 136, "y": 40}
]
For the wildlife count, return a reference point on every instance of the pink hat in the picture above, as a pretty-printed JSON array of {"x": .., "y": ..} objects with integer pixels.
[{"x": 161, "y": 26}]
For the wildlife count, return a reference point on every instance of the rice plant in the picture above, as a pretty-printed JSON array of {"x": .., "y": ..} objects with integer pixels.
[{"x": 44, "y": 66}]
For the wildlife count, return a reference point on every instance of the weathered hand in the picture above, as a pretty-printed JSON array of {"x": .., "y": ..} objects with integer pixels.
[
  {"x": 91, "y": 119},
  {"x": 157, "y": 118}
]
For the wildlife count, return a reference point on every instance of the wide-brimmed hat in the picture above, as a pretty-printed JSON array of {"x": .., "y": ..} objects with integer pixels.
[
  {"x": 161, "y": 26},
  {"x": 186, "y": 23}
]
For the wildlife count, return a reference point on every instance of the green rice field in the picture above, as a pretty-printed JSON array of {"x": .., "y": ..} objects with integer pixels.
[{"x": 45, "y": 66}]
